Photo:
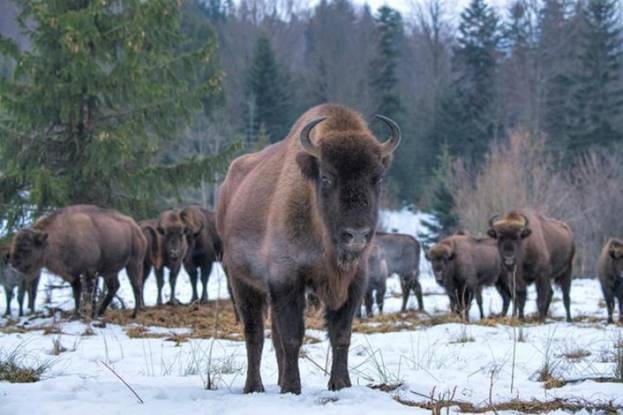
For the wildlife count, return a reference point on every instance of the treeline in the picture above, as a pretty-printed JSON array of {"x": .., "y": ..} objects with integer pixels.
[
  {"x": 549, "y": 67},
  {"x": 135, "y": 105}
]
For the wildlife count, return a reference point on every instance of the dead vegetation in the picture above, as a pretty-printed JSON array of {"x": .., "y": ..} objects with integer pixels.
[{"x": 16, "y": 368}]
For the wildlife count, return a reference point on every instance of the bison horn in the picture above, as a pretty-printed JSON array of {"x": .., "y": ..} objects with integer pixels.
[
  {"x": 492, "y": 219},
  {"x": 394, "y": 139},
  {"x": 306, "y": 142},
  {"x": 526, "y": 222}
]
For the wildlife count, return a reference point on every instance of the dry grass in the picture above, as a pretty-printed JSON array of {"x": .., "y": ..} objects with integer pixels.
[
  {"x": 575, "y": 355},
  {"x": 15, "y": 369}
]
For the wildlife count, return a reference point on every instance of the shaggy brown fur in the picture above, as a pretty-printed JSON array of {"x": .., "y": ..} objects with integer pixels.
[
  {"x": 302, "y": 214},
  {"x": 403, "y": 258},
  {"x": 204, "y": 248},
  {"x": 463, "y": 264},
  {"x": 610, "y": 272},
  {"x": 84, "y": 240},
  {"x": 539, "y": 251},
  {"x": 154, "y": 256}
]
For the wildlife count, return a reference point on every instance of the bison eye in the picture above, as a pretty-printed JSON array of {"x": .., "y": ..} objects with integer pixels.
[{"x": 326, "y": 181}]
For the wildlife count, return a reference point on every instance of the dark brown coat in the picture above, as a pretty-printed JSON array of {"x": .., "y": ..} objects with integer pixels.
[
  {"x": 204, "y": 248},
  {"x": 84, "y": 240},
  {"x": 377, "y": 279},
  {"x": 463, "y": 265},
  {"x": 302, "y": 212},
  {"x": 402, "y": 253},
  {"x": 539, "y": 250},
  {"x": 154, "y": 256},
  {"x": 610, "y": 272}
]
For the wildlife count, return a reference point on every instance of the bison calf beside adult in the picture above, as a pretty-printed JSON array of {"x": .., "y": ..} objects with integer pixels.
[
  {"x": 463, "y": 265},
  {"x": 302, "y": 212},
  {"x": 610, "y": 271},
  {"x": 535, "y": 248},
  {"x": 402, "y": 253},
  {"x": 11, "y": 278},
  {"x": 84, "y": 240}
]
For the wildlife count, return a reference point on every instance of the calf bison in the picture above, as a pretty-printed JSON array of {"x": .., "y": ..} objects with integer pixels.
[
  {"x": 463, "y": 264},
  {"x": 84, "y": 241},
  {"x": 610, "y": 271},
  {"x": 302, "y": 212},
  {"x": 377, "y": 280},
  {"x": 11, "y": 278},
  {"x": 402, "y": 253},
  {"x": 204, "y": 248},
  {"x": 538, "y": 249}
]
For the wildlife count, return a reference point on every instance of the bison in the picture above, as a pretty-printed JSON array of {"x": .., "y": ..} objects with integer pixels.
[
  {"x": 535, "y": 248},
  {"x": 11, "y": 278},
  {"x": 463, "y": 265},
  {"x": 610, "y": 271},
  {"x": 204, "y": 248},
  {"x": 154, "y": 256},
  {"x": 402, "y": 253},
  {"x": 302, "y": 212},
  {"x": 84, "y": 241},
  {"x": 377, "y": 280}
]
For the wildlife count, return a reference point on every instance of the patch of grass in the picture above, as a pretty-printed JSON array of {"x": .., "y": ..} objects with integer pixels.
[
  {"x": 15, "y": 369},
  {"x": 576, "y": 354},
  {"x": 142, "y": 332},
  {"x": 464, "y": 337},
  {"x": 618, "y": 360},
  {"x": 553, "y": 383}
]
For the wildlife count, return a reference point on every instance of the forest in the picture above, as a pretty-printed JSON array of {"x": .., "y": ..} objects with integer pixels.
[{"x": 151, "y": 106}]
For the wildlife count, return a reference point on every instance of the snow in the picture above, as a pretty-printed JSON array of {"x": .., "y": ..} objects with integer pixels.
[{"x": 170, "y": 377}]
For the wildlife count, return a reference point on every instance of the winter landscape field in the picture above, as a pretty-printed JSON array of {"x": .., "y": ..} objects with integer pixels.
[{"x": 399, "y": 363}]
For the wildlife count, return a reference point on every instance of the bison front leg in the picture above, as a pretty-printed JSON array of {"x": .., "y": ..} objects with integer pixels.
[
  {"x": 193, "y": 275},
  {"x": 205, "y": 277},
  {"x": 287, "y": 307},
  {"x": 173, "y": 271},
  {"x": 543, "y": 296},
  {"x": 21, "y": 292},
  {"x": 112, "y": 286},
  {"x": 506, "y": 295},
  {"x": 417, "y": 288},
  {"x": 406, "y": 288},
  {"x": 8, "y": 293},
  {"x": 339, "y": 325},
  {"x": 135, "y": 275}
]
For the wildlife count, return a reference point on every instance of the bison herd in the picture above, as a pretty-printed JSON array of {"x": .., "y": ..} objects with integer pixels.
[{"x": 301, "y": 215}]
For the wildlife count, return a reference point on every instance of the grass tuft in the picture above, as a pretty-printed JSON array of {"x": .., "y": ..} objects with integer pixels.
[{"x": 15, "y": 369}]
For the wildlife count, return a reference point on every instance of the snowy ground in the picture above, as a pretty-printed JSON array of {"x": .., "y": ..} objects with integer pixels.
[{"x": 472, "y": 362}]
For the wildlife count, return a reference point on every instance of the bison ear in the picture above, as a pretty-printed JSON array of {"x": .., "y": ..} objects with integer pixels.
[
  {"x": 308, "y": 165},
  {"x": 41, "y": 237},
  {"x": 525, "y": 233},
  {"x": 192, "y": 220},
  {"x": 492, "y": 233}
]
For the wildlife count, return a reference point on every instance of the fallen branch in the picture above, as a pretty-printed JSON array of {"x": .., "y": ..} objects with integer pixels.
[{"x": 123, "y": 381}]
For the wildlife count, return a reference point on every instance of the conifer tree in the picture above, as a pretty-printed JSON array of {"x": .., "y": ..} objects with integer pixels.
[{"x": 89, "y": 106}]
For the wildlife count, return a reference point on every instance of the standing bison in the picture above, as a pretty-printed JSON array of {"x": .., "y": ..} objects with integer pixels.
[
  {"x": 610, "y": 271},
  {"x": 154, "y": 256},
  {"x": 402, "y": 253},
  {"x": 204, "y": 248},
  {"x": 84, "y": 241},
  {"x": 534, "y": 248},
  {"x": 463, "y": 265},
  {"x": 377, "y": 280},
  {"x": 302, "y": 212},
  {"x": 11, "y": 278}
]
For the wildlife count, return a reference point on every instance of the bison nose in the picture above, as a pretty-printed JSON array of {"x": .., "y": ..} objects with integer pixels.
[{"x": 355, "y": 237}]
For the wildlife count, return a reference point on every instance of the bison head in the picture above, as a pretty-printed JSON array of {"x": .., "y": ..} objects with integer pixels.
[
  {"x": 347, "y": 169},
  {"x": 441, "y": 257},
  {"x": 615, "y": 250},
  {"x": 509, "y": 232},
  {"x": 27, "y": 250},
  {"x": 175, "y": 229}
]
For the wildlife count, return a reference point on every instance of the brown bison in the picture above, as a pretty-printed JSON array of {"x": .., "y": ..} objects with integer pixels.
[
  {"x": 402, "y": 253},
  {"x": 377, "y": 280},
  {"x": 84, "y": 241},
  {"x": 204, "y": 248},
  {"x": 534, "y": 248},
  {"x": 11, "y": 278},
  {"x": 154, "y": 256},
  {"x": 302, "y": 212},
  {"x": 463, "y": 265},
  {"x": 610, "y": 271}
]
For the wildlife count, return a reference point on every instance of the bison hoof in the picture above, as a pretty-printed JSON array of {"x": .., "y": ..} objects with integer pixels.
[
  {"x": 295, "y": 389},
  {"x": 174, "y": 302},
  {"x": 254, "y": 387},
  {"x": 204, "y": 300},
  {"x": 337, "y": 383}
]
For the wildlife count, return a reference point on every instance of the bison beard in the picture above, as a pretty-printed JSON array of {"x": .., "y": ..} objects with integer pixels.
[{"x": 300, "y": 214}]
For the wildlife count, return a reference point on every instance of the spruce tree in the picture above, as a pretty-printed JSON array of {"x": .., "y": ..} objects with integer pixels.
[
  {"x": 598, "y": 97},
  {"x": 267, "y": 91},
  {"x": 88, "y": 108},
  {"x": 475, "y": 63}
]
